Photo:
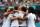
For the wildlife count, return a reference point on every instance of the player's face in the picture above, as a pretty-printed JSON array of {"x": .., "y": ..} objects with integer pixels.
[{"x": 8, "y": 8}]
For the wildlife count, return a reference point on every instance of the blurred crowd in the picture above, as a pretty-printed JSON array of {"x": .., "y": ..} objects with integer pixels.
[{"x": 13, "y": 2}]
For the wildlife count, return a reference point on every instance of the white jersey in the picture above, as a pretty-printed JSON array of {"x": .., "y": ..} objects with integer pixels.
[
  {"x": 8, "y": 21},
  {"x": 4, "y": 19},
  {"x": 15, "y": 22},
  {"x": 23, "y": 22},
  {"x": 27, "y": 11},
  {"x": 31, "y": 22},
  {"x": 16, "y": 14}
]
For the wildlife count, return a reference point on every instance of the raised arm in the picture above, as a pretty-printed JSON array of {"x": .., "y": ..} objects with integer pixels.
[{"x": 5, "y": 14}]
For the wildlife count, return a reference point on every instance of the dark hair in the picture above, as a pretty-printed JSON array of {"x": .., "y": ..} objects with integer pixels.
[
  {"x": 37, "y": 11},
  {"x": 24, "y": 9},
  {"x": 11, "y": 9},
  {"x": 31, "y": 9},
  {"x": 16, "y": 7},
  {"x": 6, "y": 9}
]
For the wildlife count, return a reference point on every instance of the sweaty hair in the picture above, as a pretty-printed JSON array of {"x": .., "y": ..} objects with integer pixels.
[
  {"x": 31, "y": 9},
  {"x": 23, "y": 9},
  {"x": 16, "y": 7}
]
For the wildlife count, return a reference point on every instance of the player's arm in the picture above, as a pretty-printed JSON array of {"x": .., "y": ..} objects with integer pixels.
[
  {"x": 17, "y": 18},
  {"x": 15, "y": 10},
  {"x": 25, "y": 18},
  {"x": 6, "y": 14},
  {"x": 14, "y": 18},
  {"x": 20, "y": 18}
]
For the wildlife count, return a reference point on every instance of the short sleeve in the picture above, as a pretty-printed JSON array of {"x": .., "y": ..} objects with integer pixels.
[
  {"x": 16, "y": 14},
  {"x": 28, "y": 16},
  {"x": 10, "y": 15}
]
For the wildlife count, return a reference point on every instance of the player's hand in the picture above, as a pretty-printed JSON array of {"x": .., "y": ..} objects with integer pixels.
[
  {"x": 20, "y": 23},
  {"x": 19, "y": 17}
]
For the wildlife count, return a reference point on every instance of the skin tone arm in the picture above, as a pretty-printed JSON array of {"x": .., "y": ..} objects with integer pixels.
[
  {"x": 6, "y": 14},
  {"x": 20, "y": 18},
  {"x": 25, "y": 18},
  {"x": 15, "y": 10},
  {"x": 14, "y": 18}
]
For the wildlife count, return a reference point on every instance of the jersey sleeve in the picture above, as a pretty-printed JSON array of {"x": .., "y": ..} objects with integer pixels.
[
  {"x": 28, "y": 16},
  {"x": 10, "y": 15},
  {"x": 16, "y": 15}
]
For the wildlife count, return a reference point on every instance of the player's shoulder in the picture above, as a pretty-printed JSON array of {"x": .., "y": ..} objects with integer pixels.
[
  {"x": 10, "y": 14},
  {"x": 31, "y": 14},
  {"x": 34, "y": 14}
]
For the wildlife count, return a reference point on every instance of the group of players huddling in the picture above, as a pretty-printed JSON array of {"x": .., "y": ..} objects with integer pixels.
[{"x": 20, "y": 16}]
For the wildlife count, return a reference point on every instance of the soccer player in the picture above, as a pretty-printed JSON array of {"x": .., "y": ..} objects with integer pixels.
[
  {"x": 8, "y": 21},
  {"x": 15, "y": 22},
  {"x": 5, "y": 15},
  {"x": 21, "y": 14},
  {"x": 30, "y": 17}
]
